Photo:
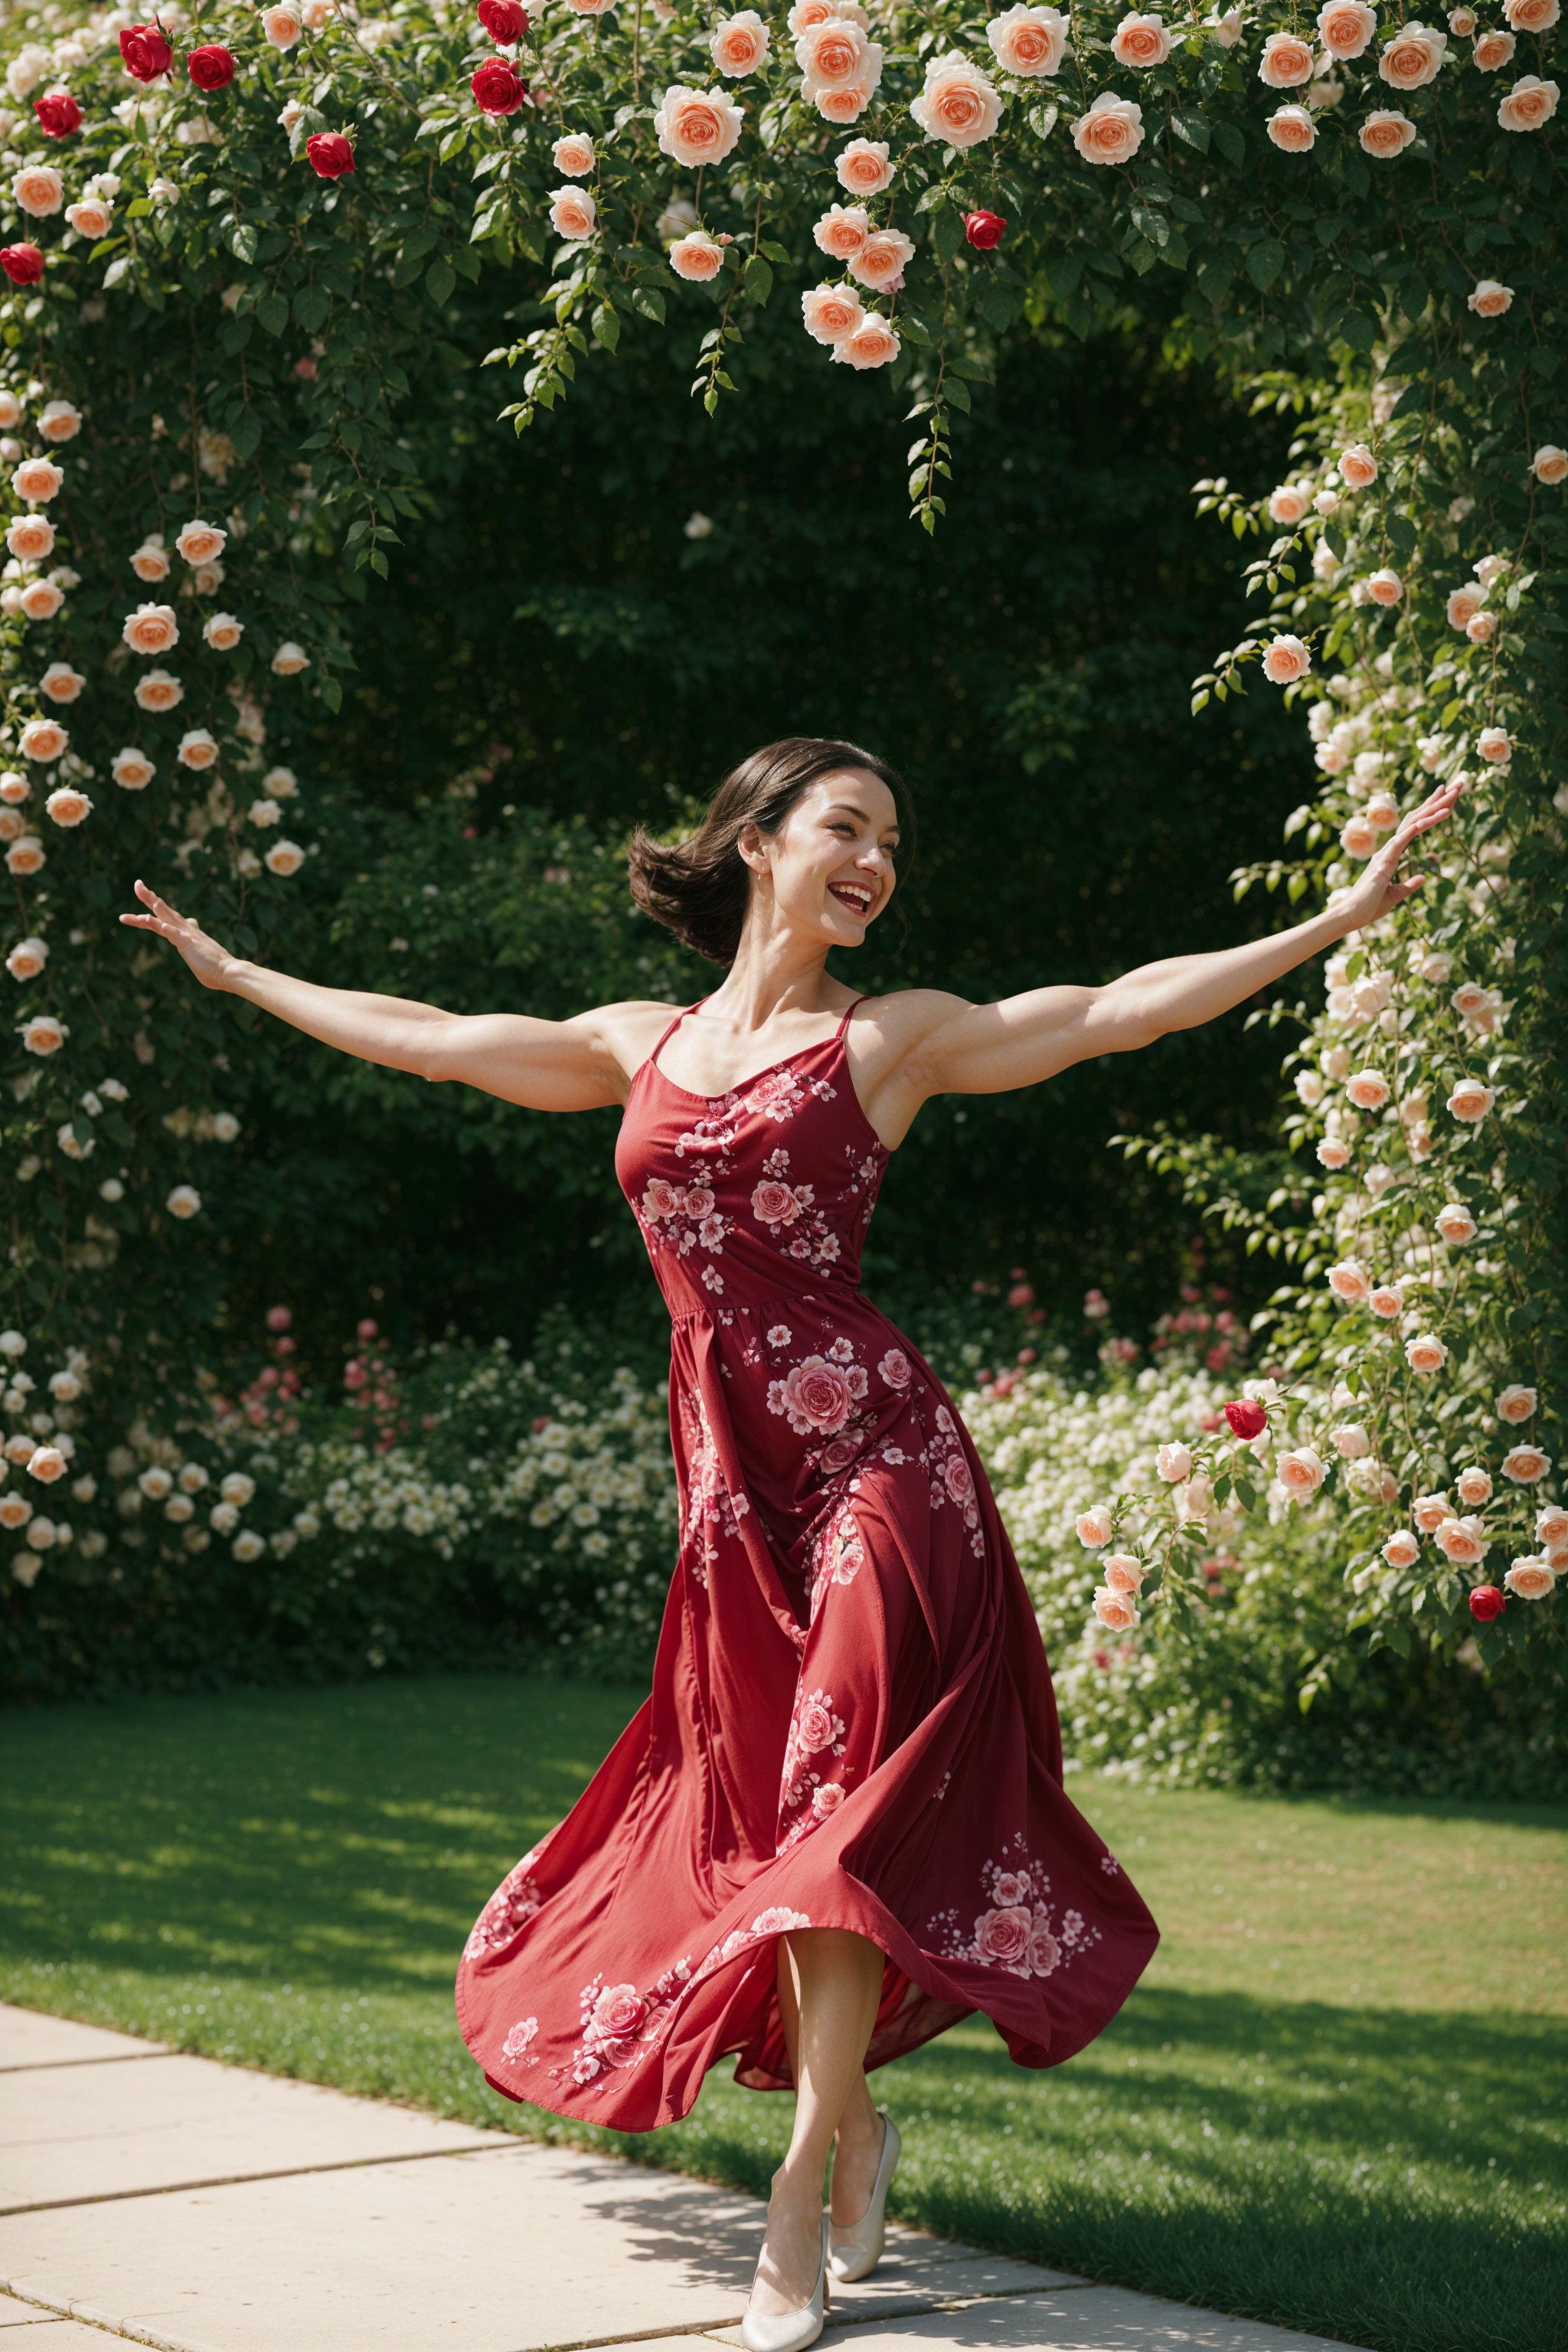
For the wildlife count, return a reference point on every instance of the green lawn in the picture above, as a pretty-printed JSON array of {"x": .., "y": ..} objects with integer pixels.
[{"x": 1336, "y": 2101}]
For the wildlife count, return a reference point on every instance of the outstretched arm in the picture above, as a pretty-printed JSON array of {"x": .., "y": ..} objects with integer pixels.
[
  {"x": 992, "y": 1049},
  {"x": 576, "y": 1065}
]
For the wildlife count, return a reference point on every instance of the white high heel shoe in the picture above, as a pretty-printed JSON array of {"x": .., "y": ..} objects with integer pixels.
[
  {"x": 854, "y": 2252},
  {"x": 789, "y": 2331}
]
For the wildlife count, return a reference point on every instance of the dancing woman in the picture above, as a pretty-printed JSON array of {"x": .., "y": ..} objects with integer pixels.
[{"x": 837, "y": 1824}]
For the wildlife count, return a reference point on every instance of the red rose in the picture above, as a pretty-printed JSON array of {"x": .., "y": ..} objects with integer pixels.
[
  {"x": 22, "y": 264},
  {"x": 1486, "y": 1600},
  {"x": 1247, "y": 1418},
  {"x": 58, "y": 113},
  {"x": 211, "y": 68},
  {"x": 331, "y": 155},
  {"x": 146, "y": 52},
  {"x": 983, "y": 229},
  {"x": 503, "y": 20},
  {"x": 497, "y": 88}
]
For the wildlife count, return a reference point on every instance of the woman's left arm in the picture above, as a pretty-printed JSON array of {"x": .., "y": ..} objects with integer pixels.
[{"x": 1021, "y": 1040}]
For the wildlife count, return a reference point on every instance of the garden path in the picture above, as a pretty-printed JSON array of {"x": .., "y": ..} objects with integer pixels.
[{"x": 173, "y": 2200}]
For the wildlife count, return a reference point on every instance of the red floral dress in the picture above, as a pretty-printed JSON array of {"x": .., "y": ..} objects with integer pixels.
[{"x": 852, "y": 1723}]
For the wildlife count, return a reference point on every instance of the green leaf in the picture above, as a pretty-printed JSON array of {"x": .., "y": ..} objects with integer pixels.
[
  {"x": 647, "y": 302},
  {"x": 1193, "y": 130},
  {"x": 1265, "y": 261},
  {"x": 310, "y": 307},
  {"x": 439, "y": 280},
  {"x": 758, "y": 278},
  {"x": 273, "y": 312},
  {"x": 1401, "y": 532},
  {"x": 247, "y": 436},
  {"x": 957, "y": 391},
  {"x": 947, "y": 233},
  {"x": 606, "y": 327},
  {"x": 1230, "y": 143},
  {"x": 1359, "y": 330},
  {"x": 242, "y": 240},
  {"x": 1042, "y": 119}
]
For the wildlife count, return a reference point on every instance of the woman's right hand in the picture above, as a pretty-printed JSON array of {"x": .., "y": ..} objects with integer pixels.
[{"x": 212, "y": 965}]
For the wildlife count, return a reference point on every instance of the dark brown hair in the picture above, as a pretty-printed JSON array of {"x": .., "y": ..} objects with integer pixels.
[{"x": 700, "y": 888}]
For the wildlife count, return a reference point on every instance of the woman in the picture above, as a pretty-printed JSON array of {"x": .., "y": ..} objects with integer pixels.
[{"x": 837, "y": 1824}]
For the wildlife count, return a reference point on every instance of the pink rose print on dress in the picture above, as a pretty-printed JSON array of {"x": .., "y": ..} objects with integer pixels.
[
  {"x": 617, "y": 2015},
  {"x": 779, "y": 1204},
  {"x": 1002, "y": 1938},
  {"x": 841, "y": 1553},
  {"x": 520, "y": 2039},
  {"x": 817, "y": 1726},
  {"x": 512, "y": 1905},
  {"x": 776, "y": 1094},
  {"x": 960, "y": 1479},
  {"x": 700, "y": 1202},
  {"x": 780, "y": 1335},
  {"x": 825, "y": 1798},
  {"x": 1019, "y": 1933},
  {"x": 1011, "y": 1888},
  {"x": 894, "y": 1369},
  {"x": 620, "y": 2023},
  {"x": 814, "y": 1394},
  {"x": 660, "y": 1199}
]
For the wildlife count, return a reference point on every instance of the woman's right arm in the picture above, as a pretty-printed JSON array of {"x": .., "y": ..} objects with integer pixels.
[{"x": 581, "y": 1064}]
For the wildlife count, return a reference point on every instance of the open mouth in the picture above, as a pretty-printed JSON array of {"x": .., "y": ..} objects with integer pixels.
[{"x": 856, "y": 896}]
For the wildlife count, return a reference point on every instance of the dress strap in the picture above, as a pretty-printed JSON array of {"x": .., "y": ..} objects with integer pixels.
[
  {"x": 845, "y": 1023},
  {"x": 653, "y": 1058}
]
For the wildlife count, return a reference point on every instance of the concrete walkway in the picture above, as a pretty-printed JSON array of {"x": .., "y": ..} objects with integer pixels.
[{"x": 175, "y": 2201}]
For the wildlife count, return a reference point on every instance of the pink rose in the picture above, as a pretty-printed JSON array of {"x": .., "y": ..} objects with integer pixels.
[
  {"x": 815, "y": 1729},
  {"x": 520, "y": 2037},
  {"x": 1528, "y": 104},
  {"x": 1402, "y": 1550},
  {"x": 1286, "y": 62},
  {"x": 1385, "y": 133},
  {"x": 1002, "y": 1938},
  {"x": 1345, "y": 27},
  {"x": 574, "y": 155},
  {"x": 825, "y": 1798},
  {"x": 572, "y": 213},
  {"x": 882, "y": 259},
  {"x": 1286, "y": 659},
  {"x": 698, "y": 257},
  {"x": 1141, "y": 41},
  {"x": 818, "y": 1392},
  {"x": 831, "y": 312},
  {"x": 659, "y": 1199},
  {"x": 838, "y": 1455},
  {"x": 1117, "y": 1610},
  {"x": 1524, "y": 1464},
  {"x": 1491, "y": 298},
  {"x": 1112, "y": 132},
  {"x": 1532, "y": 16},
  {"x": 1124, "y": 1572},
  {"x": 1549, "y": 465},
  {"x": 863, "y": 168},
  {"x": 1358, "y": 467},
  {"x": 1301, "y": 1473},
  {"x": 958, "y": 105},
  {"x": 836, "y": 54},
  {"x": 1094, "y": 1527},
  {"x": 1425, "y": 1354},
  {"x": 1462, "y": 1541},
  {"x": 842, "y": 231},
  {"x": 894, "y": 1369},
  {"x": 1351, "y": 1441},
  {"x": 1044, "y": 1952},
  {"x": 1292, "y": 130},
  {"x": 1493, "y": 50},
  {"x": 960, "y": 1479},
  {"x": 1464, "y": 604},
  {"x": 740, "y": 44},
  {"x": 873, "y": 344},
  {"x": 1470, "y": 1101},
  {"x": 1462, "y": 23},
  {"x": 774, "y": 1204},
  {"x": 1028, "y": 41},
  {"x": 1411, "y": 59},
  {"x": 1011, "y": 1888}
]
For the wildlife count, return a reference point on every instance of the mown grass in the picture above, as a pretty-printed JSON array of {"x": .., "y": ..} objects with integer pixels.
[{"x": 1336, "y": 2101}]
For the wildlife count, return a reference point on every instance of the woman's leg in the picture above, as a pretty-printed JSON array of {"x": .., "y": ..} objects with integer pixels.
[{"x": 830, "y": 1982}]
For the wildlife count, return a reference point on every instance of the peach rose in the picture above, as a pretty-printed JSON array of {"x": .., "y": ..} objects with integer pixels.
[
  {"x": 1385, "y": 133},
  {"x": 43, "y": 1035},
  {"x": 1550, "y": 1520},
  {"x": 1493, "y": 50},
  {"x": 1454, "y": 1225},
  {"x": 696, "y": 126},
  {"x": 883, "y": 258},
  {"x": 281, "y": 25},
  {"x": 30, "y": 538},
  {"x": 133, "y": 771},
  {"x": 40, "y": 600},
  {"x": 1516, "y": 1403},
  {"x": 1285, "y": 659},
  {"x": 1462, "y": 1541},
  {"x": 28, "y": 958},
  {"x": 1292, "y": 130},
  {"x": 1332, "y": 1154},
  {"x": 36, "y": 481},
  {"x": 1531, "y": 1578},
  {"x": 284, "y": 857},
  {"x": 223, "y": 632},
  {"x": 1429, "y": 1511},
  {"x": 1549, "y": 465},
  {"x": 1475, "y": 1487},
  {"x": 61, "y": 683},
  {"x": 43, "y": 739},
  {"x": 90, "y": 217},
  {"x": 67, "y": 806},
  {"x": 151, "y": 562},
  {"x": 740, "y": 44},
  {"x": 1124, "y": 1571},
  {"x": 1470, "y": 1101},
  {"x": 183, "y": 1202},
  {"x": 1117, "y": 1610},
  {"x": 572, "y": 213},
  {"x": 1490, "y": 299},
  {"x": 1286, "y": 62},
  {"x": 197, "y": 749},
  {"x": 831, "y": 312},
  {"x": 290, "y": 658},
  {"x": 958, "y": 105},
  {"x": 1528, "y": 104},
  {"x": 1348, "y": 1281},
  {"x": 151, "y": 629},
  {"x": 1402, "y": 1550},
  {"x": 1290, "y": 503},
  {"x": 1385, "y": 587},
  {"x": 1524, "y": 1464},
  {"x": 1028, "y": 41},
  {"x": 1173, "y": 1462},
  {"x": 1412, "y": 57},
  {"x": 1425, "y": 1354},
  {"x": 1141, "y": 41},
  {"x": 1464, "y": 604},
  {"x": 863, "y": 168},
  {"x": 1495, "y": 743},
  {"x": 873, "y": 344},
  {"x": 574, "y": 155},
  {"x": 1368, "y": 1089},
  {"x": 807, "y": 13},
  {"x": 1387, "y": 1301},
  {"x": 846, "y": 105},
  {"x": 698, "y": 257},
  {"x": 38, "y": 189},
  {"x": 1094, "y": 1527},
  {"x": 1481, "y": 629},
  {"x": 1112, "y": 132},
  {"x": 1357, "y": 836},
  {"x": 159, "y": 690},
  {"x": 1301, "y": 1473},
  {"x": 25, "y": 854},
  {"x": 200, "y": 543},
  {"x": 1532, "y": 16},
  {"x": 59, "y": 420},
  {"x": 842, "y": 231},
  {"x": 1357, "y": 466},
  {"x": 1345, "y": 27}
]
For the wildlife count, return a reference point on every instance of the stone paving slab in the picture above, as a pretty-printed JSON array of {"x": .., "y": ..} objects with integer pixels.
[
  {"x": 1084, "y": 2319},
  {"x": 28, "y": 2038},
  {"x": 49, "y": 2333},
  {"x": 109, "y": 2130}
]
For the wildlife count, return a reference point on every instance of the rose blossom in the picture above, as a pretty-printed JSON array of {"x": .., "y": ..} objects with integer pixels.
[
  {"x": 1490, "y": 299},
  {"x": 1531, "y": 1578},
  {"x": 1525, "y": 1464},
  {"x": 1412, "y": 57},
  {"x": 159, "y": 690},
  {"x": 696, "y": 126},
  {"x": 958, "y": 105},
  {"x": 572, "y": 213},
  {"x": 90, "y": 217},
  {"x": 1286, "y": 659},
  {"x": 1288, "y": 503},
  {"x": 1348, "y": 1281},
  {"x": 1387, "y": 1301},
  {"x": 863, "y": 168},
  {"x": 1456, "y": 1224},
  {"x": 151, "y": 561},
  {"x": 1462, "y": 1541},
  {"x": 41, "y": 600},
  {"x": 1481, "y": 628},
  {"x": 1402, "y": 1550},
  {"x": 503, "y": 20},
  {"x": 1123, "y": 1572},
  {"x": 1475, "y": 1487},
  {"x": 740, "y": 44},
  {"x": 43, "y": 1035},
  {"x": 284, "y": 857},
  {"x": 36, "y": 481},
  {"x": 1532, "y": 16},
  {"x": 201, "y": 542},
  {"x": 574, "y": 155},
  {"x": 1528, "y": 104},
  {"x": 25, "y": 854},
  {"x": 499, "y": 90},
  {"x": 1385, "y": 587},
  {"x": 151, "y": 629},
  {"x": 831, "y": 312},
  {"x": 882, "y": 259},
  {"x": 1345, "y": 27},
  {"x": 1462, "y": 23},
  {"x": 1332, "y": 1154},
  {"x": 281, "y": 25},
  {"x": 1493, "y": 50},
  {"x": 1368, "y": 1089},
  {"x": 843, "y": 230},
  {"x": 1470, "y": 1101},
  {"x": 61, "y": 683},
  {"x": 1028, "y": 41},
  {"x": 817, "y": 1392},
  {"x": 197, "y": 749},
  {"x": 1173, "y": 1462},
  {"x": 28, "y": 958},
  {"x": 1516, "y": 1403},
  {"x": 223, "y": 632},
  {"x": 1003, "y": 1936},
  {"x": 30, "y": 538},
  {"x": 1549, "y": 465},
  {"x": 1551, "y": 1522},
  {"x": 1292, "y": 130},
  {"x": 1247, "y": 1418},
  {"x": 1286, "y": 62},
  {"x": 1094, "y": 1527},
  {"x": 1225, "y": 29},
  {"x": 1429, "y": 1511},
  {"x": 873, "y": 344},
  {"x": 133, "y": 771},
  {"x": 1301, "y": 1473},
  {"x": 1495, "y": 743},
  {"x": 1141, "y": 41},
  {"x": 1358, "y": 467},
  {"x": 699, "y": 257},
  {"x": 1117, "y": 1610},
  {"x": 1425, "y": 1354},
  {"x": 43, "y": 739},
  {"x": 1385, "y": 133},
  {"x": 39, "y": 190},
  {"x": 1112, "y": 132}
]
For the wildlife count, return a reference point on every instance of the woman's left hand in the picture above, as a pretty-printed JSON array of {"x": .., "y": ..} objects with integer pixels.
[{"x": 1380, "y": 888}]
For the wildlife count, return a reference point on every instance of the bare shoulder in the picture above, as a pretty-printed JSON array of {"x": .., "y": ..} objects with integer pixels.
[
  {"x": 626, "y": 1033},
  {"x": 897, "y": 1027}
]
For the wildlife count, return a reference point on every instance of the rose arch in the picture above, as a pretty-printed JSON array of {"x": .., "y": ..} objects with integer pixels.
[{"x": 232, "y": 243}]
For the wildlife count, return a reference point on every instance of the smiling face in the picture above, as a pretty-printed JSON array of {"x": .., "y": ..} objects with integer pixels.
[{"x": 827, "y": 871}]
